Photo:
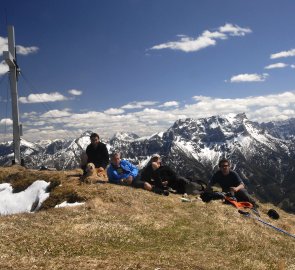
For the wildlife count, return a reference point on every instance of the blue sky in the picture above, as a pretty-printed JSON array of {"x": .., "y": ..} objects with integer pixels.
[{"x": 139, "y": 65}]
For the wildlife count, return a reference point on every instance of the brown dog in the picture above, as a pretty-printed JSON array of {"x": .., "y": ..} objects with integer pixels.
[{"x": 94, "y": 175}]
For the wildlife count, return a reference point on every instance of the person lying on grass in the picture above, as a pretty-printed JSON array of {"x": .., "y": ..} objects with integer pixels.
[
  {"x": 122, "y": 172},
  {"x": 164, "y": 178}
]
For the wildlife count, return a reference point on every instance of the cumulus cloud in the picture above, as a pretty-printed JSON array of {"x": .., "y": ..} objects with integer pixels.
[
  {"x": 3, "y": 68},
  {"x": 42, "y": 97},
  {"x": 187, "y": 44},
  {"x": 206, "y": 39},
  {"x": 75, "y": 92},
  {"x": 114, "y": 111},
  {"x": 277, "y": 65},
  {"x": 234, "y": 30},
  {"x": 170, "y": 104},
  {"x": 139, "y": 104},
  {"x": 292, "y": 66},
  {"x": 3, "y": 45},
  {"x": 283, "y": 54},
  {"x": 26, "y": 50},
  {"x": 6, "y": 121},
  {"x": 19, "y": 48},
  {"x": 149, "y": 120},
  {"x": 249, "y": 77},
  {"x": 56, "y": 114}
]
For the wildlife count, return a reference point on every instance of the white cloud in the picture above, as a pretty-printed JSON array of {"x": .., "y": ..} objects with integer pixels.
[
  {"x": 19, "y": 48},
  {"x": 206, "y": 39},
  {"x": 3, "y": 67},
  {"x": 234, "y": 30},
  {"x": 150, "y": 120},
  {"x": 3, "y": 45},
  {"x": 292, "y": 66},
  {"x": 26, "y": 50},
  {"x": 277, "y": 65},
  {"x": 249, "y": 77},
  {"x": 75, "y": 92},
  {"x": 187, "y": 44},
  {"x": 43, "y": 97},
  {"x": 170, "y": 104},
  {"x": 6, "y": 121},
  {"x": 56, "y": 114},
  {"x": 29, "y": 114},
  {"x": 215, "y": 34},
  {"x": 138, "y": 104},
  {"x": 114, "y": 111},
  {"x": 283, "y": 54}
]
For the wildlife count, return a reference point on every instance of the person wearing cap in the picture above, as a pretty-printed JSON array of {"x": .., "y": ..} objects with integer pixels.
[
  {"x": 230, "y": 182},
  {"x": 123, "y": 172},
  {"x": 96, "y": 153}
]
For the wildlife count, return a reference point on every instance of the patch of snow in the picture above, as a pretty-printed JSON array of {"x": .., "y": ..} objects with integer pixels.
[
  {"x": 231, "y": 118},
  {"x": 22, "y": 202},
  {"x": 214, "y": 125},
  {"x": 66, "y": 204}
]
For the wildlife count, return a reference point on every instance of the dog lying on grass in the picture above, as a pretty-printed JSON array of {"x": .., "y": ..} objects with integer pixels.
[{"x": 94, "y": 175}]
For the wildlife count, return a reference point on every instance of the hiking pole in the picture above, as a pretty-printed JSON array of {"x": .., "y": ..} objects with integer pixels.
[{"x": 247, "y": 214}]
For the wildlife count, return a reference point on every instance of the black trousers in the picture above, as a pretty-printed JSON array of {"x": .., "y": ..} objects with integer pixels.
[
  {"x": 137, "y": 183},
  {"x": 243, "y": 196}
]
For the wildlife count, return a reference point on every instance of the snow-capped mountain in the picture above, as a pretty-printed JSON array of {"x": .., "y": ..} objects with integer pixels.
[{"x": 263, "y": 154}]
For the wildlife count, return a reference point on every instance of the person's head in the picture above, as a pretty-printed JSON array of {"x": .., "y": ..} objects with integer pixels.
[
  {"x": 224, "y": 166},
  {"x": 115, "y": 158},
  {"x": 94, "y": 138},
  {"x": 156, "y": 158},
  {"x": 156, "y": 165}
]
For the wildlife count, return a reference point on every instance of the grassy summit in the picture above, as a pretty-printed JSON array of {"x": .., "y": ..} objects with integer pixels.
[{"x": 125, "y": 228}]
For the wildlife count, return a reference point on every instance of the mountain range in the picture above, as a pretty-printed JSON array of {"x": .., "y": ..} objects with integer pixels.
[{"x": 262, "y": 153}]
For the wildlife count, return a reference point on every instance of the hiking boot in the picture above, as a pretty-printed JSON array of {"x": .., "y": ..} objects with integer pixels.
[
  {"x": 166, "y": 192},
  {"x": 160, "y": 191}
]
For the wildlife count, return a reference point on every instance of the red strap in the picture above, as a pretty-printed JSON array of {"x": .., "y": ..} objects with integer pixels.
[{"x": 239, "y": 204}]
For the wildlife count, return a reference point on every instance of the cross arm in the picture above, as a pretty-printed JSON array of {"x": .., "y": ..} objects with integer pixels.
[{"x": 9, "y": 59}]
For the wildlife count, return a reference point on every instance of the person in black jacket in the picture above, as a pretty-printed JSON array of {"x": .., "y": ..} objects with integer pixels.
[
  {"x": 230, "y": 182},
  {"x": 97, "y": 153},
  {"x": 163, "y": 177}
]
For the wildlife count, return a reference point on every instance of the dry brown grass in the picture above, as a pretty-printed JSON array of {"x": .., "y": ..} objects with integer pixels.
[{"x": 125, "y": 228}]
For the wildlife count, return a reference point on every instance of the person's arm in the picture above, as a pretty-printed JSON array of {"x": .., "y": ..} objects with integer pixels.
[
  {"x": 146, "y": 174},
  {"x": 114, "y": 177},
  {"x": 211, "y": 183},
  {"x": 239, "y": 187},
  {"x": 133, "y": 169},
  {"x": 239, "y": 184},
  {"x": 88, "y": 153},
  {"x": 105, "y": 156}
]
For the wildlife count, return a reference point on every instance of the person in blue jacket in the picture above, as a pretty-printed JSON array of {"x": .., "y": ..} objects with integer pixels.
[{"x": 122, "y": 172}]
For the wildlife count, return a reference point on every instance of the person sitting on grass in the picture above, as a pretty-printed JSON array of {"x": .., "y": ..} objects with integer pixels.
[
  {"x": 164, "y": 178},
  {"x": 122, "y": 172},
  {"x": 96, "y": 153},
  {"x": 230, "y": 182}
]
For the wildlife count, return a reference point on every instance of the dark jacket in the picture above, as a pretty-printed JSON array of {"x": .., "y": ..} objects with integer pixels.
[
  {"x": 163, "y": 173},
  {"x": 146, "y": 174},
  {"x": 226, "y": 181},
  {"x": 99, "y": 156}
]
